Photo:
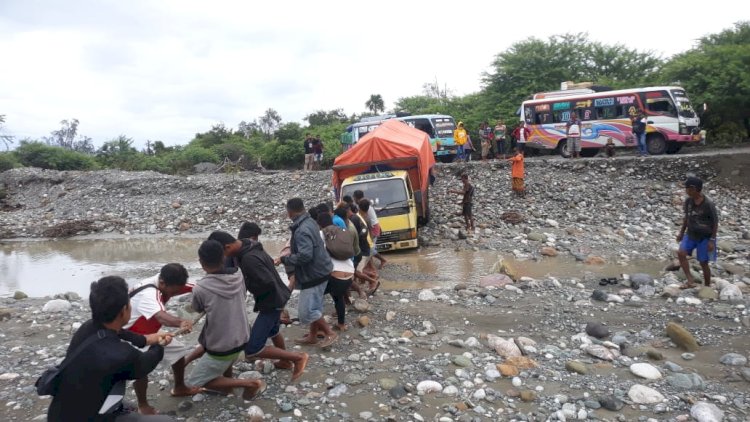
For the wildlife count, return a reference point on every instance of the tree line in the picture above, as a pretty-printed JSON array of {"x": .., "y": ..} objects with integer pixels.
[{"x": 714, "y": 73}]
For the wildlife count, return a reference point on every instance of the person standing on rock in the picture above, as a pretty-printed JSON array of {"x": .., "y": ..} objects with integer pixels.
[
  {"x": 312, "y": 267},
  {"x": 318, "y": 153},
  {"x": 517, "y": 172},
  {"x": 92, "y": 384},
  {"x": 499, "y": 135},
  {"x": 148, "y": 315},
  {"x": 573, "y": 132},
  {"x": 467, "y": 201},
  {"x": 309, "y": 155},
  {"x": 701, "y": 222},
  {"x": 221, "y": 295},
  {"x": 271, "y": 295}
]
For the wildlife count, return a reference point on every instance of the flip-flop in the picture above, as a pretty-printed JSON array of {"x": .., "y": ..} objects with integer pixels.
[
  {"x": 302, "y": 341},
  {"x": 688, "y": 286},
  {"x": 612, "y": 280},
  {"x": 261, "y": 390},
  {"x": 329, "y": 340},
  {"x": 172, "y": 393},
  {"x": 603, "y": 282}
]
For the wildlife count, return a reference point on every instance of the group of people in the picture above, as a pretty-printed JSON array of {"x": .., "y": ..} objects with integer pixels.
[
  {"x": 313, "y": 152},
  {"x": 496, "y": 142},
  {"x": 124, "y": 339}
]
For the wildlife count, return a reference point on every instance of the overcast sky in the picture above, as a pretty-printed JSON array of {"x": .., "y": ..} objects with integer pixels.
[{"x": 164, "y": 70}]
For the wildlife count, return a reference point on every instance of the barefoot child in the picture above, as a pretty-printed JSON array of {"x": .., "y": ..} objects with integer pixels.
[
  {"x": 148, "y": 315},
  {"x": 221, "y": 295},
  {"x": 467, "y": 201},
  {"x": 517, "y": 171}
]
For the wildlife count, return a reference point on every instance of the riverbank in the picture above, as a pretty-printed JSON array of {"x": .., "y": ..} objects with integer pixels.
[{"x": 544, "y": 367}]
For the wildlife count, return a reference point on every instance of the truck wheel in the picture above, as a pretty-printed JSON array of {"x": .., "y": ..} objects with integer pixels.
[
  {"x": 674, "y": 147},
  {"x": 655, "y": 144},
  {"x": 562, "y": 148}
]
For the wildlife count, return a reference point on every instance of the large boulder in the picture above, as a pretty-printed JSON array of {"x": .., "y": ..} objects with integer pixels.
[{"x": 57, "y": 305}]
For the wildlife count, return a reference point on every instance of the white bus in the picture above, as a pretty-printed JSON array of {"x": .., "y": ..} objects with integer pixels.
[{"x": 672, "y": 122}]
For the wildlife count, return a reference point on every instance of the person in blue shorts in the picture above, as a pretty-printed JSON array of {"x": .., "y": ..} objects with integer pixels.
[{"x": 701, "y": 223}]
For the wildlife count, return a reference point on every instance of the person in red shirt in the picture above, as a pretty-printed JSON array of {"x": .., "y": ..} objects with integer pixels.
[{"x": 149, "y": 315}]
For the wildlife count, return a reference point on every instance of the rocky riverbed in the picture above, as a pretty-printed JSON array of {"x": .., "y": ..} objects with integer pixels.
[
  {"x": 528, "y": 350},
  {"x": 501, "y": 347}
]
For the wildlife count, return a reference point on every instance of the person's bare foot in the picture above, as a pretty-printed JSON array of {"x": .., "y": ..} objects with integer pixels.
[
  {"x": 688, "y": 285},
  {"x": 283, "y": 364},
  {"x": 185, "y": 391},
  {"x": 383, "y": 261},
  {"x": 299, "y": 367},
  {"x": 147, "y": 410},
  {"x": 251, "y": 393},
  {"x": 340, "y": 327}
]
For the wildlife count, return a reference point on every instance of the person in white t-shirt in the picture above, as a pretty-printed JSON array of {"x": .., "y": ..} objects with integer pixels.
[
  {"x": 574, "y": 135},
  {"x": 148, "y": 315}
]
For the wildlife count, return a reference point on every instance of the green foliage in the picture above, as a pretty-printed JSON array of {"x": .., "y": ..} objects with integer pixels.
[
  {"x": 8, "y": 161},
  {"x": 119, "y": 153},
  {"x": 37, "y": 154},
  {"x": 375, "y": 103},
  {"x": 323, "y": 118},
  {"x": 715, "y": 72}
]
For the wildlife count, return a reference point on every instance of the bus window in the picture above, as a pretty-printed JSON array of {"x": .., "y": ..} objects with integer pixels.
[
  {"x": 422, "y": 124},
  {"x": 528, "y": 115},
  {"x": 444, "y": 127},
  {"x": 588, "y": 113},
  {"x": 543, "y": 118},
  {"x": 607, "y": 112},
  {"x": 660, "y": 103}
]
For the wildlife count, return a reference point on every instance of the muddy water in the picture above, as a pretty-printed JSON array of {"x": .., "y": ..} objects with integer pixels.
[{"x": 41, "y": 268}]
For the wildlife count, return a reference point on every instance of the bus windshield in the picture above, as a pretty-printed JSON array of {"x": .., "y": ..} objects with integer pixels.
[
  {"x": 388, "y": 193},
  {"x": 444, "y": 127},
  {"x": 683, "y": 103}
]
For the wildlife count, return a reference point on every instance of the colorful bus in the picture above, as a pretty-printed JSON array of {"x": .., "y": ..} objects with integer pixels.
[
  {"x": 438, "y": 127},
  {"x": 671, "y": 120}
]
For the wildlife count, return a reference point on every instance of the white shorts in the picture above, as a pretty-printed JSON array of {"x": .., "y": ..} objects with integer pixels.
[{"x": 173, "y": 352}]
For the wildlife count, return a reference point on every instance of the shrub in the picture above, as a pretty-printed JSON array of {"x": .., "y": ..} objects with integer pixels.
[
  {"x": 8, "y": 161},
  {"x": 37, "y": 154}
]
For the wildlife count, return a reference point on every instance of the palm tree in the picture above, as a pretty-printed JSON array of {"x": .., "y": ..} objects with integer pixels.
[{"x": 375, "y": 103}]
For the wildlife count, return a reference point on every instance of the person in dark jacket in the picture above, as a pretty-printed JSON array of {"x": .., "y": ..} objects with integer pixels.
[
  {"x": 271, "y": 295},
  {"x": 312, "y": 267},
  {"x": 91, "y": 387}
]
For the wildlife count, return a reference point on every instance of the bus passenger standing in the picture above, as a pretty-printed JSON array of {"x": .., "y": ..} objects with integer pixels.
[
  {"x": 460, "y": 137},
  {"x": 574, "y": 135},
  {"x": 639, "y": 131}
]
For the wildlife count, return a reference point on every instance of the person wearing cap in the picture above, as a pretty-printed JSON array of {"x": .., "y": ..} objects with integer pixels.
[{"x": 698, "y": 231}]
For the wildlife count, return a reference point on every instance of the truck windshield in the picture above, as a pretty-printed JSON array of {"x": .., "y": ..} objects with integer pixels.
[{"x": 388, "y": 193}]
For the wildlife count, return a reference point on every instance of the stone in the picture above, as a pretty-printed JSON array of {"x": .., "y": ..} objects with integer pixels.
[
  {"x": 521, "y": 362},
  {"x": 611, "y": 403},
  {"x": 363, "y": 321},
  {"x": 548, "y": 251},
  {"x": 19, "y": 295},
  {"x": 427, "y": 295},
  {"x": 640, "y": 394},
  {"x": 599, "y": 295},
  {"x": 387, "y": 383},
  {"x": 681, "y": 337},
  {"x": 397, "y": 392},
  {"x": 504, "y": 348},
  {"x": 450, "y": 390},
  {"x": 528, "y": 395},
  {"x": 645, "y": 370},
  {"x": 594, "y": 260},
  {"x": 390, "y": 316},
  {"x": 176, "y": 205},
  {"x": 57, "y": 305},
  {"x": 199, "y": 397},
  {"x": 707, "y": 293},
  {"x": 9, "y": 376},
  {"x": 362, "y": 305},
  {"x": 733, "y": 359},
  {"x": 638, "y": 280},
  {"x": 731, "y": 293},
  {"x": 507, "y": 370},
  {"x": 601, "y": 352},
  {"x": 461, "y": 361},
  {"x": 5, "y": 313},
  {"x": 734, "y": 269},
  {"x": 495, "y": 280},
  {"x": 673, "y": 367},
  {"x": 184, "y": 406},
  {"x": 688, "y": 356},
  {"x": 725, "y": 246},
  {"x": 425, "y": 387},
  {"x": 577, "y": 367},
  {"x": 685, "y": 382},
  {"x": 255, "y": 414},
  {"x": 598, "y": 330},
  {"x": 745, "y": 372},
  {"x": 654, "y": 354},
  {"x": 706, "y": 412},
  {"x": 365, "y": 415},
  {"x": 536, "y": 237}
]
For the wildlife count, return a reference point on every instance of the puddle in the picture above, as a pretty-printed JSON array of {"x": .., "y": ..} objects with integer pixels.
[{"x": 41, "y": 268}]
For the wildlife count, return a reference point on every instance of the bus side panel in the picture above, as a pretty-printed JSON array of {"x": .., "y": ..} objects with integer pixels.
[
  {"x": 595, "y": 133},
  {"x": 546, "y": 136}
]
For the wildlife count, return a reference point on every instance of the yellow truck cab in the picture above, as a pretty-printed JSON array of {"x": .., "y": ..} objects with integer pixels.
[{"x": 392, "y": 196}]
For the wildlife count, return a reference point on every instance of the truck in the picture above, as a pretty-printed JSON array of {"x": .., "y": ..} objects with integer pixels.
[{"x": 392, "y": 166}]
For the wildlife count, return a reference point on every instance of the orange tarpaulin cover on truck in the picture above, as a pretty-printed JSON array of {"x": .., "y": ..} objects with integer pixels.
[{"x": 392, "y": 145}]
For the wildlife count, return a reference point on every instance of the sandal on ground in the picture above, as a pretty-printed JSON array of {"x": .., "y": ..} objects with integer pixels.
[{"x": 328, "y": 341}]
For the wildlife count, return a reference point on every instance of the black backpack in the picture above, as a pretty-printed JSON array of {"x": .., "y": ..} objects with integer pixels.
[{"x": 339, "y": 242}]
